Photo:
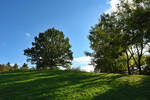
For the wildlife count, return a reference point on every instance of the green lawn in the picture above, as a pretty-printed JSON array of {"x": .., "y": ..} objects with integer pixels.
[{"x": 68, "y": 85}]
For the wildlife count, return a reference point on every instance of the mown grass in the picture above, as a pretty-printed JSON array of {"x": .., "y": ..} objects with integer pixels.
[{"x": 71, "y": 85}]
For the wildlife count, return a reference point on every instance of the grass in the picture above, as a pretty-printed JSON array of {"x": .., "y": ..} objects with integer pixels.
[{"x": 71, "y": 85}]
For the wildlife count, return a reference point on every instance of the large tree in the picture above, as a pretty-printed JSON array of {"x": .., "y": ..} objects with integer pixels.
[
  {"x": 124, "y": 32},
  {"x": 135, "y": 16},
  {"x": 49, "y": 50},
  {"x": 105, "y": 39}
]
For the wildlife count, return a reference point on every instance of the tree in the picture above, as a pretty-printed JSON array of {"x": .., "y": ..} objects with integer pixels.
[
  {"x": 106, "y": 41},
  {"x": 15, "y": 66},
  {"x": 3, "y": 68},
  {"x": 147, "y": 68},
  {"x": 124, "y": 32},
  {"x": 49, "y": 50},
  {"x": 25, "y": 65},
  {"x": 136, "y": 17},
  {"x": 8, "y": 64}
]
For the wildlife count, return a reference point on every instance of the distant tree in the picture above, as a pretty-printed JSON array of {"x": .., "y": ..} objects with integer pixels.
[
  {"x": 49, "y": 50},
  {"x": 3, "y": 68},
  {"x": 9, "y": 65},
  {"x": 25, "y": 65},
  {"x": 15, "y": 66}
]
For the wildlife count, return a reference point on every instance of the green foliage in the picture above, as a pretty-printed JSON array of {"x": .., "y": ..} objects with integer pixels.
[
  {"x": 50, "y": 49},
  {"x": 136, "y": 17},
  {"x": 147, "y": 67},
  {"x": 106, "y": 41},
  {"x": 24, "y": 67},
  {"x": 8, "y": 64},
  {"x": 148, "y": 60},
  {"x": 72, "y": 85},
  {"x": 121, "y": 34}
]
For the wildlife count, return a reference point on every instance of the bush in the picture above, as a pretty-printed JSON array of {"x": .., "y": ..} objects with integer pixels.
[
  {"x": 24, "y": 69},
  {"x": 4, "y": 68},
  {"x": 146, "y": 70}
]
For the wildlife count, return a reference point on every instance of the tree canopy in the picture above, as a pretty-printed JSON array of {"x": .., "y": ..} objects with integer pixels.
[
  {"x": 50, "y": 49},
  {"x": 124, "y": 34}
]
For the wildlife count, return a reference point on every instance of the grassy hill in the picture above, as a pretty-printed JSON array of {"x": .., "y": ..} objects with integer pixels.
[{"x": 69, "y": 85}]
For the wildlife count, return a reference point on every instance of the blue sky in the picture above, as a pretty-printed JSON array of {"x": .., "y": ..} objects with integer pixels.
[{"x": 21, "y": 20}]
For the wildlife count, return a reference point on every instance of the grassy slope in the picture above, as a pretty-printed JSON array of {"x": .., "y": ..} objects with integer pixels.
[{"x": 63, "y": 85}]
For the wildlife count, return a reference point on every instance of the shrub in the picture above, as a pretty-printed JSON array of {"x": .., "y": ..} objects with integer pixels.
[{"x": 4, "y": 68}]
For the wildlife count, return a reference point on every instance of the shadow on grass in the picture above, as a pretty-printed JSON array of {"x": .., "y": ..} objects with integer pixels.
[
  {"x": 67, "y": 85},
  {"x": 37, "y": 85},
  {"x": 128, "y": 91}
]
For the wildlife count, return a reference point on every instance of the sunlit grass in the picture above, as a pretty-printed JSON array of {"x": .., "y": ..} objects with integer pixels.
[{"x": 69, "y": 85}]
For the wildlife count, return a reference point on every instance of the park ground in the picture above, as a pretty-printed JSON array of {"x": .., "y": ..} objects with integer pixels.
[{"x": 73, "y": 85}]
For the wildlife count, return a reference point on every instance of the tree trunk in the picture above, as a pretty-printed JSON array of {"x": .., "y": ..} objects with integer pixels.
[
  {"x": 128, "y": 65},
  {"x": 129, "y": 72},
  {"x": 139, "y": 65}
]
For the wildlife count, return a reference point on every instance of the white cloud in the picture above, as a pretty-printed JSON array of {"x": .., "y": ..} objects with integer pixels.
[
  {"x": 113, "y": 5},
  {"x": 83, "y": 63},
  {"x": 82, "y": 60},
  {"x": 88, "y": 68},
  {"x": 28, "y": 35},
  {"x": 12, "y": 64}
]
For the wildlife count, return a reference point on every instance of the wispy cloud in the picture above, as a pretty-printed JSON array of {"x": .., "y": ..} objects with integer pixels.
[
  {"x": 83, "y": 63},
  {"x": 82, "y": 60},
  {"x": 28, "y": 35}
]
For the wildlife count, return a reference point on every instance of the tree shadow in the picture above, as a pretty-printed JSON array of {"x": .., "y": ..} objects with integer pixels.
[
  {"x": 28, "y": 86},
  {"x": 127, "y": 91},
  {"x": 62, "y": 85}
]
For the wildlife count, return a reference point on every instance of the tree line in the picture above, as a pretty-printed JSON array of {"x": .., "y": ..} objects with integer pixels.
[{"x": 14, "y": 67}]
